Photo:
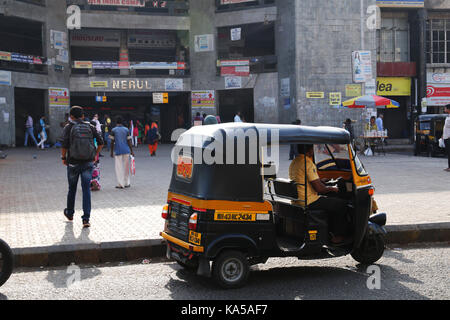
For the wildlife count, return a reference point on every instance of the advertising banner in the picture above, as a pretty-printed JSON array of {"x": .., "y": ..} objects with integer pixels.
[
  {"x": 223, "y": 2},
  {"x": 124, "y": 3},
  {"x": 59, "y": 97},
  {"x": 238, "y": 71},
  {"x": 82, "y": 64},
  {"x": 362, "y": 66},
  {"x": 353, "y": 90},
  {"x": 203, "y": 99},
  {"x": 6, "y": 56},
  {"x": 401, "y": 4},
  {"x": 393, "y": 86},
  {"x": 152, "y": 39},
  {"x": 233, "y": 63},
  {"x": 438, "y": 94}
]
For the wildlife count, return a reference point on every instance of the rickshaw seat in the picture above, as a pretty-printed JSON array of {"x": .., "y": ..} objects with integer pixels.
[{"x": 285, "y": 188}]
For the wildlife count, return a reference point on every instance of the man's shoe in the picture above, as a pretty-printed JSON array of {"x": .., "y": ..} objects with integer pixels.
[
  {"x": 86, "y": 224},
  {"x": 67, "y": 215}
]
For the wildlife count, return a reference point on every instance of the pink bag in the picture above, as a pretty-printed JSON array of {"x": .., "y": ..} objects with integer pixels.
[{"x": 132, "y": 166}]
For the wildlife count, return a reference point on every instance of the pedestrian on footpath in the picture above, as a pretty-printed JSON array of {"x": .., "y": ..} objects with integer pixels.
[
  {"x": 42, "y": 133},
  {"x": 153, "y": 137},
  {"x": 446, "y": 135},
  {"x": 121, "y": 149},
  {"x": 29, "y": 131},
  {"x": 107, "y": 128},
  {"x": 78, "y": 153}
]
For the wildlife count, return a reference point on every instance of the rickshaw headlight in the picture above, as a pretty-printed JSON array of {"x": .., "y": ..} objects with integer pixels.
[
  {"x": 165, "y": 212},
  {"x": 193, "y": 222}
]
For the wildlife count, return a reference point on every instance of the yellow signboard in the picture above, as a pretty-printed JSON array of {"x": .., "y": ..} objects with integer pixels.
[
  {"x": 335, "y": 98},
  {"x": 393, "y": 86},
  {"x": 99, "y": 84},
  {"x": 353, "y": 90},
  {"x": 315, "y": 95}
]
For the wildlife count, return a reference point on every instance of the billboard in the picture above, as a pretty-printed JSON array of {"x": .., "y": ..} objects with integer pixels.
[{"x": 401, "y": 4}]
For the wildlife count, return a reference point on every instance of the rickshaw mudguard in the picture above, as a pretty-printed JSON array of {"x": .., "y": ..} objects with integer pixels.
[
  {"x": 232, "y": 241},
  {"x": 363, "y": 208}
]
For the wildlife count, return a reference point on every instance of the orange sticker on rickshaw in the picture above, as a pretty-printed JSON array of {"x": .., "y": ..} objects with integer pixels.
[{"x": 184, "y": 167}]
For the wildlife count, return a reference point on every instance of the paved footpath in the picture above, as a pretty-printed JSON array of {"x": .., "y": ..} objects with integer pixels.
[{"x": 33, "y": 187}]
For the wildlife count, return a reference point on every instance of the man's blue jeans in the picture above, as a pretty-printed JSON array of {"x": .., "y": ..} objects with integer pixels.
[
  {"x": 107, "y": 140},
  {"x": 29, "y": 132},
  {"x": 73, "y": 173}
]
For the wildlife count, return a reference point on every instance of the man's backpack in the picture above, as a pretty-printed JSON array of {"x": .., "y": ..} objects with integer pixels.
[{"x": 82, "y": 146}]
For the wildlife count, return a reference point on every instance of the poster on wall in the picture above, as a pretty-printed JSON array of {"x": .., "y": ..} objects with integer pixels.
[
  {"x": 362, "y": 66},
  {"x": 203, "y": 99},
  {"x": 233, "y": 82},
  {"x": 124, "y": 3},
  {"x": 204, "y": 43},
  {"x": 95, "y": 38},
  {"x": 5, "y": 78},
  {"x": 59, "y": 97},
  {"x": 401, "y": 4},
  {"x": 239, "y": 71},
  {"x": 174, "y": 84}
]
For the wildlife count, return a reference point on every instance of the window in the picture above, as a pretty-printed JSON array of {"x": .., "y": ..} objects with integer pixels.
[
  {"x": 393, "y": 40},
  {"x": 332, "y": 157},
  {"x": 438, "y": 41}
]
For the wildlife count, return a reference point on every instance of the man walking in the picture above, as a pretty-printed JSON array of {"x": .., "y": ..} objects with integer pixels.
[
  {"x": 78, "y": 153},
  {"x": 29, "y": 131},
  {"x": 121, "y": 149},
  {"x": 446, "y": 136}
]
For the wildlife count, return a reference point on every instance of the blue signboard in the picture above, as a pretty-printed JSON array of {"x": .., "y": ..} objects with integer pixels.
[{"x": 401, "y": 4}]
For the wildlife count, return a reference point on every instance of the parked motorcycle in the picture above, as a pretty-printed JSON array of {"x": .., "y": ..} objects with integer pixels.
[{"x": 6, "y": 262}]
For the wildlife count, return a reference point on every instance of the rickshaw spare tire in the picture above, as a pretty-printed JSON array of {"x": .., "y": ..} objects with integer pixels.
[
  {"x": 371, "y": 249},
  {"x": 231, "y": 269},
  {"x": 6, "y": 262}
]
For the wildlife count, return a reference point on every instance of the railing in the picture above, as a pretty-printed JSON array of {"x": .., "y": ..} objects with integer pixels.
[
  {"x": 138, "y": 69},
  {"x": 152, "y": 7},
  {"x": 35, "y": 2},
  {"x": 224, "y": 5}
]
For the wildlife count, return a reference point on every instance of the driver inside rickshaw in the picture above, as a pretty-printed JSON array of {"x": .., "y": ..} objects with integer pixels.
[{"x": 317, "y": 192}]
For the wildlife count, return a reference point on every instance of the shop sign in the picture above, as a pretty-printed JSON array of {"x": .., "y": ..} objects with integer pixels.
[
  {"x": 95, "y": 38},
  {"x": 136, "y": 85},
  {"x": 315, "y": 95},
  {"x": 438, "y": 94},
  {"x": 203, "y": 99},
  {"x": 401, "y": 4},
  {"x": 393, "y": 86},
  {"x": 5, "y": 78},
  {"x": 152, "y": 39},
  {"x": 237, "y": 71},
  {"x": 353, "y": 90},
  {"x": 438, "y": 77},
  {"x": 159, "y": 65},
  {"x": 59, "y": 97},
  {"x": 122, "y": 3},
  {"x": 335, "y": 98},
  {"x": 99, "y": 84}
]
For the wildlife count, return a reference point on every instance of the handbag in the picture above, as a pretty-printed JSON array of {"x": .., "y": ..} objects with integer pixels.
[
  {"x": 132, "y": 166},
  {"x": 441, "y": 143}
]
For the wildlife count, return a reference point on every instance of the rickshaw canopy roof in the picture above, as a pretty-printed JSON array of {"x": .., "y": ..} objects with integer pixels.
[
  {"x": 276, "y": 134},
  {"x": 429, "y": 117}
]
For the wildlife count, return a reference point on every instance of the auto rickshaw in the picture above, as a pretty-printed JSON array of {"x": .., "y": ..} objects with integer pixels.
[
  {"x": 429, "y": 129},
  {"x": 227, "y": 210}
]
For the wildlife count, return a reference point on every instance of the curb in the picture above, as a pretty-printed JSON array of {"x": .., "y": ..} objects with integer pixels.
[{"x": 122, "y": 251}]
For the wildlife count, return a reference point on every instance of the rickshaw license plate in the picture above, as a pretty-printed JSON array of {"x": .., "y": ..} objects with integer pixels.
[{"x": 195, "y": 238}]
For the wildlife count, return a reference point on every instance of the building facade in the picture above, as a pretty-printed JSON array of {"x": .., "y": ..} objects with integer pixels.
[{"x": 275, "y": 61}]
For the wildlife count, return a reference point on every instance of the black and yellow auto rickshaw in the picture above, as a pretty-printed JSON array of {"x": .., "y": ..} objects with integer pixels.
[
  {"x": 429, "y": 129},
  {"x": 226, "y": 209}
]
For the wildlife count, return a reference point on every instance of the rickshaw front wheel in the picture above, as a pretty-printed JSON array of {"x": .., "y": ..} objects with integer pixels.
[
  {"x": 231, "y": 269},
  {"x": 6, "y": 262},
  {"x": 371, "y": 249}
]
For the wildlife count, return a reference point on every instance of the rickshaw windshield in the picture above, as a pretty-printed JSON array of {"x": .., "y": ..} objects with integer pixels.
[
  {"x": 332, "y": 157},
  {"x": 358, "y": 165}
]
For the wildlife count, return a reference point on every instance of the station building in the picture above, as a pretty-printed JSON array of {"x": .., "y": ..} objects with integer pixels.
[{"x": 275, "y": 61}]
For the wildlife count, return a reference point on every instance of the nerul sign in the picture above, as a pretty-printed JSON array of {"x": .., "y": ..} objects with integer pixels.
[{"x": 131, "y": 85}]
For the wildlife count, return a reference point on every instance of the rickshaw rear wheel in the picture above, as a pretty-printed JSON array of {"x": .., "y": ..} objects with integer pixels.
[
  {"x": 6, "y": 262},
  {"x": 371, "y": 249},
  {"x": 231, "y": 269}
]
